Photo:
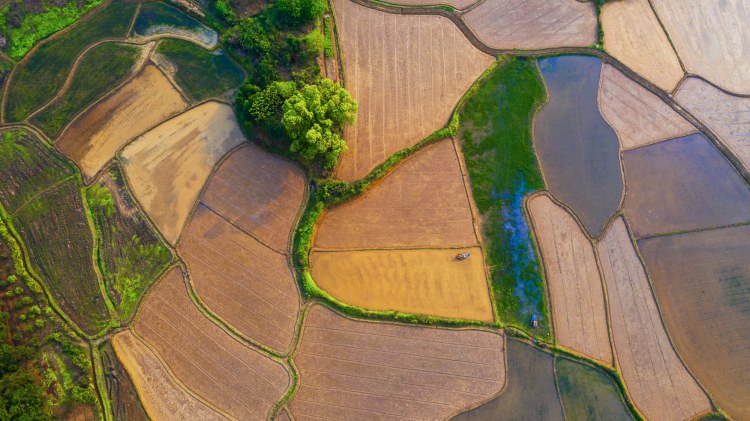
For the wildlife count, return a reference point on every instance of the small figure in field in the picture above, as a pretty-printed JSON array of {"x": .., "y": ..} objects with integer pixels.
[
  {"x": 463, "y": 256},
  {"x": 534, "y": 322}
]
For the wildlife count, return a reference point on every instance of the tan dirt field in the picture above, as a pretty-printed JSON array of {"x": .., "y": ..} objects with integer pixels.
[
  {"x": 657, "y": 381},
  {"x": 534, "y": 24},
  {"x": 407, "y": 72},
  {"x": 423, "y": 202},
  {"x": 242, "y": 281},
  {"x": 458, "y": 4},
  {"x": 162, "y": 397},
  {"x": 430, "y": 282},
  {"x": 632, "y": 34},
  {"x": 638, "y": 116},
  {"x": 352, "y": 370},
  {"x": 169, "y": 164},
  {"x": 726, "y": 115},
  {"x": 712, "y": 38},
  {"x": 259, "y": 192},
  {"x": 95, "y": 136},
  {"x": 231, "y": 376},
  {"x": 579, "y": 315}
]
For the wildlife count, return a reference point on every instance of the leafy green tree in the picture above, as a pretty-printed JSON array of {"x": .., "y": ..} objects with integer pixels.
[
  {"x": 314, "y": 118},
  {"x": 301, "y": 11}
]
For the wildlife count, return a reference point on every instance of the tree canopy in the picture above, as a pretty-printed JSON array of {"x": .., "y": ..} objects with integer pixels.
[{"x": 302, "y": 11}]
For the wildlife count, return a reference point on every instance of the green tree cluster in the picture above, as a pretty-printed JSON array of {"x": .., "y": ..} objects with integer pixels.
[
  {"x": 301, "y": 11},
  {"x": 21, "y": 397}
]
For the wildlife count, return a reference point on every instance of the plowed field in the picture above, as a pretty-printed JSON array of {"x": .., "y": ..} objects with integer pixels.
[
  {"x": 236, "y": 379},
  {"x": 259, "y": 192},
  {"x": 712, "y": 38},
  {"x": 726, "y": 115},
  {"x": 96, "y": 135},
  {"x": 121, "y": 391},
  {"x": 162, "y": 397},
  {"x": 360, "y": 370},
  {"x": 458, "y": 4},
  {"x": 638, "y": 116},
  {"x": 407, "y": 72},
  {"x": 579, "y": 316},
  {"x": 168, "y": 165},
  {"x": 632, "y": 34},
  {"x": 702, "y": 280},
  {"x": 656, "y": 379},
  {"x": 534, "y": 24},
  {"x": 430, "y": 282},
  {"x": 423, "y": 202},
  {"x": 241, "y": 280}
]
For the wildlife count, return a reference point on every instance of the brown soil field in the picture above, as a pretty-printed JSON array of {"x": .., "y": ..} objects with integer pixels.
[
  {"x": 632, "y": 34},
  {"x": 712, "y": 38},
  {"x": 121, "y": 392},
  {"x": 162, "y": 397},
  {"x": 241, "y": 280},
  {"x": 423, "y": 202},
  {"x": 364, "y": 370},
  {"x": 259, "y": 192},
  {"x": 682, "y": 184},
  {"x": 233, "y": 377},
  {"x": 638, "y": 116},
  {"x": 534, "y": 24},
  {"x": 725, "y": 115},
  {"x": 579, "y": 315},
  {"x": 458, "y": 4},
  {"x": 657, "y": 381},
  {"x": 169, "y": 164},
  {"x": 98, "y": 133},
  {"x": 702, "y": 281},
  {"x": 407, "y": 72},
  {"x": 430, "y": 282}
]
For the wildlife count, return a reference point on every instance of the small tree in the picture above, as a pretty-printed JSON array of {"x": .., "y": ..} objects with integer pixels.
[
  {"x": 314, "y": 118},
  {"x": 301, "y": 11}
]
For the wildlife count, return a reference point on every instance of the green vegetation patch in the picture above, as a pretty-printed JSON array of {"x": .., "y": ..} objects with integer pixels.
[
  {"x": 587, "y": 393},
  {"x": 37, "y": 79},
  {"x": 200, "y": 73},
  {"x": 130, "y": 255},
  {"x": 495, "y": 131},
  {"x": 103, "y": 68}
]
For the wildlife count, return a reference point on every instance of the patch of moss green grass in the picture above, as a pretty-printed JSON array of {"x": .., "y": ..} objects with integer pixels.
[
  {"x": 104, "y": 67},
  {"x": 587, "y": 393},
  {"x": 328, "y": 37},
  {"x": 200, "y": 73},
  {"x": 38, "y": 79},
  {"x": 495, "y": 131}
]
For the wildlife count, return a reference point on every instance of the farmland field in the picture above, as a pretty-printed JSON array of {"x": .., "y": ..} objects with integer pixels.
[
  {"x": 37, "y": 78},
  {"x": 241, "y": 280},
  {"x": 221, "y": 370},
  {"x": 458, "y": 4},
  {"x": 575, "y": 289},
  {"x": 356, "y": 369},
  {"x": 120, "y": 388},
  {"x": 96, "y": 135},
  {"x": 682, "y": 184},
  {"x": 103, "y": 67},
  {"x": 638, "y": 117},
  {"x": 422, "y": 202},
  {"x": 156, "y": 18},
  {"x": 407, "y": 73},
  {"x": 578, "y": 150},
  {"x": 632, "y": 34},
  {"x": 587, "y": 393},
  {"x": 270, "y": 196},
  {"x": 168, "y": 165},
  {"x": 667, "y": 392},
  {"x": 702, "y": 281},
  {"x": 421, "y": 281},
  {"x": 162, "y": 396},
  {"x": 534, "y": 24},
  {"x": 529, "y": 391}
]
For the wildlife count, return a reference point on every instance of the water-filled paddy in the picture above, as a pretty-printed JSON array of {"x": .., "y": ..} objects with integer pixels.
[{"x": 587, "y": 393}]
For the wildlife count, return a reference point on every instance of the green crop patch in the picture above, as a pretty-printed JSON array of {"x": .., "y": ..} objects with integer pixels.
[
  {"x": 495, "y": 131},
  {"x": 588, "y": 393},
  {"x": 103, "y": 67},
  {"x": 37, "y": 79},
  {"x": 200, "y": 73}
]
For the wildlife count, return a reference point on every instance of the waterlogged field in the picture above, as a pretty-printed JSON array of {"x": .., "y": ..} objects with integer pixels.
[
  {"x": 587, "y": 393},
  {"x": 157, "y": 18}
]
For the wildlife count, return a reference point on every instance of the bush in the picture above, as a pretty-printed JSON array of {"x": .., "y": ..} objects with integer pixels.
[{"x": 299, "y": 12}]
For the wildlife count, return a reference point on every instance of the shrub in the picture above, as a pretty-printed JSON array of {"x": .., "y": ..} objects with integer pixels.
[{"x": 301, "y": 11}]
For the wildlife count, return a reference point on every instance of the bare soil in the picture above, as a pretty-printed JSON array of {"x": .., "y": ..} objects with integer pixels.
[
  {"x": 430, "y": 282},
  {"x": 579, "y": 315},
  {"x": 407, "y": 72},
  {"x": 423, "y": 202},
  {"x": 657, "y": 381},
  {"x": 95, "y": 136},
  {"x": 241, "y": 280},
  {"x": 363, "y": 370},
  {"x": 458, "y": 4},
  {"x": 169, "y": 164},
  {"x": 233, "y": 377}
]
